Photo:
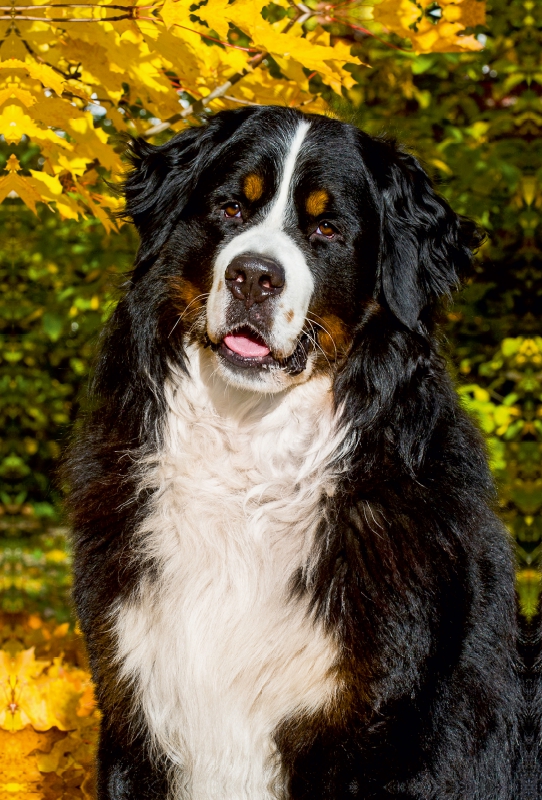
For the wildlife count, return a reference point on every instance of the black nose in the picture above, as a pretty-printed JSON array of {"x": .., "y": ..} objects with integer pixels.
[{"x": 254, "y": 278}]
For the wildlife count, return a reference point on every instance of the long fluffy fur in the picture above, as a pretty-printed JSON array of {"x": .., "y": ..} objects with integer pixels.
[{"x": 303, "y": 594}]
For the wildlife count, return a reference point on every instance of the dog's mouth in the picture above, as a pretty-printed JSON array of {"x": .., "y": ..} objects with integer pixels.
[
  {"x": 247, "y": 345},
  {"x": 247, "y": 349}
]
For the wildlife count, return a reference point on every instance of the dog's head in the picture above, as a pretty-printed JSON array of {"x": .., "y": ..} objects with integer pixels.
[{"x": 273, "y": 231}]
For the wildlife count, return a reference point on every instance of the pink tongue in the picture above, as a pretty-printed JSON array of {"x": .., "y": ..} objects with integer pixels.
[{"x": 244, "y": 346}]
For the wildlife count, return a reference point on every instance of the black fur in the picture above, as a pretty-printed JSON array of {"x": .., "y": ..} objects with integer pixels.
[
  {"x": 529, "y": 766},
  {"x": 415, "y": 575}
]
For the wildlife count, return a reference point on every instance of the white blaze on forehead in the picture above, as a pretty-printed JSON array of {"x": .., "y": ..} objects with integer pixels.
[
  {"x": 269, "y": 239},
  {"x": 278, "y": 213}
]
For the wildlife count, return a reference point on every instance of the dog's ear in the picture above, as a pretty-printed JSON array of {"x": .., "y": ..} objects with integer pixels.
[
  {"x": 153, "y": 183},
  {"x": 163, "y": 178},
  {"x": 160, "y": 183},
  {"x": 426, "y": 248}
]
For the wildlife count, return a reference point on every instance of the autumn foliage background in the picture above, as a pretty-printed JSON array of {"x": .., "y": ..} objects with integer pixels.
[{"x": 458, "y": 81}]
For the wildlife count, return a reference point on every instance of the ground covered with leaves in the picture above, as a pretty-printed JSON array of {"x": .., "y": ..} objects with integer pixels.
[{"x": 48, "y": 716}]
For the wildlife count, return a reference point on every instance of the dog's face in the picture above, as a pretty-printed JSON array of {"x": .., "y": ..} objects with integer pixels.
[
  {"x": 285, "y": 274},
  {"x": 274, "y": 231},
  {"x": 290, "y": 228}
]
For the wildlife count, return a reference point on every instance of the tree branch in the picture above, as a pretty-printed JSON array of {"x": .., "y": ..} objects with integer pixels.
[{"x": 199, "y": 105}]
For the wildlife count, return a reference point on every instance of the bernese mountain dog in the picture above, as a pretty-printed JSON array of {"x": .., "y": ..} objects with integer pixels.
[{"x": 287, "y": 569}]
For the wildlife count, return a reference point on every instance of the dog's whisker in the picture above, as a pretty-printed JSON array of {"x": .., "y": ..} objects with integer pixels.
[
  {"x": 317, "y": 347},
  {"x": 200, "y": 316},
  {"x": 195, "y": 299},
  {"x": 186, "y": 311},
  {"x": 313, "y": 322},
  {"x": 314, "y": 340},
  {"x": 174, "y": 326}
]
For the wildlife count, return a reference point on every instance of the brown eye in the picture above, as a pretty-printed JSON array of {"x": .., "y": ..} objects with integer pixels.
[
  {"x": 232, "y": 210},
  {"x": 325, "y": 229}
]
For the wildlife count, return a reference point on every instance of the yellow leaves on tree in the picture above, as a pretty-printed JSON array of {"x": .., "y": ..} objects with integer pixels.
[
  {"x": 48, "y": 719},
  {"x": 74, "y": 76},
  {"x": 434, "y": 26}
]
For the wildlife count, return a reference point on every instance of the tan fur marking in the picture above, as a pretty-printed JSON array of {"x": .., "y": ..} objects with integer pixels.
[
  {"x": 316, "y": 202},
  {"x": 185, "y": 294},
  {"x": 335, "y": 339},
  {"x": 253, "y": 187},
  {"x": 289, "y": 315}
]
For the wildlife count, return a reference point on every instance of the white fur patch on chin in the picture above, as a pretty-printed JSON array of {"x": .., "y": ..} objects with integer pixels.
[
  {"x": 262, "y": 381},
  {"x": 217, "y": 650}
]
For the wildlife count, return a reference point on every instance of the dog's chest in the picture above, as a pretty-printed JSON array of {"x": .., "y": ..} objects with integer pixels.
[{"x": 220, "y": 651}]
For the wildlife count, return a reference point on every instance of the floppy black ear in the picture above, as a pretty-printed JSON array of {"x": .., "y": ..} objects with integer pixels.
[
  {"x": 159, "y": 176},
  {"x": 160, "y": 183},
  {"x": 162, "y": 179},
  {"x": 426, "y": 248}
]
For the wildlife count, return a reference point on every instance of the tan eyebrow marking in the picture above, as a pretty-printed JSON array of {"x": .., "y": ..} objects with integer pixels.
[
  {"x": 253, "y": 187},
  {"x": 316, "y": 202}
]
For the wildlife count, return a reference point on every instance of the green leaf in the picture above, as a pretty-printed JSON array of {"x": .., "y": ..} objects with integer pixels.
[{"x": 52, "y": 325}]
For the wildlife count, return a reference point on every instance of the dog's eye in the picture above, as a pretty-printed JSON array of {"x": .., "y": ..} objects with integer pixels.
[
  {"x": 327, "y": 230},
  {"x": 232, "y": 210}
]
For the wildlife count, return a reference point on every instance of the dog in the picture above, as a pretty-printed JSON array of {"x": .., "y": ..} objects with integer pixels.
[{"x": 286, "y": 564}]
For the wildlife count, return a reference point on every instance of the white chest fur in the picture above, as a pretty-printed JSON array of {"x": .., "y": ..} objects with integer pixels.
[{"x": 218, "y": 651}]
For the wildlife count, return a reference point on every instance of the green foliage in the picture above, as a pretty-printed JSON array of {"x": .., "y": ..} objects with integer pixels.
[
  {"x": 35, "y": 575},
  {"x": 58, "y": 281},
  {"x": 472, "y": 118}
]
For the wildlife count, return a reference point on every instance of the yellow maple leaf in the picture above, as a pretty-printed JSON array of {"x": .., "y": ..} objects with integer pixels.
[
  {"x": 410, "y": 20},
  {"x": 14, "y": 91},
  {"x": 245, "y": 14},
  {"x": 20, "y": 776},
  {"x": 18, "y": 674},
  {"x": 176, "y": 12},
  {"x": 469, "y": 12},
  {"x": 50, "y": 763},
  {"x": 92, "y": 142},
  {"x": 41, "y": 693},
  {"x": 73, "y": 165},
  {"x": 49, "y": 186},
  {"x": 42, "y": 72},
  {"x": 15, "y": 185},
  {"x": 13, "y": 164},
  {"x": 55, "y": 112},
  {"x": 14, "y": 123},
  {"x": 67, "y": 207}
]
